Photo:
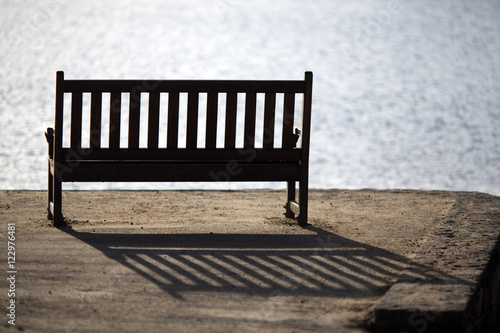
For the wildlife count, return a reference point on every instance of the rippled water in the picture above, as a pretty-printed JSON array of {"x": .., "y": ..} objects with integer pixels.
[{"x": 406, "y": 93}]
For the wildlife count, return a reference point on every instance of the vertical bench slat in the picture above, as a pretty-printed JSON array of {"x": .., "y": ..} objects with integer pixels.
[
  {"x": 211, "y": 130},
  {"x": 95, "y": 119},
  {"x": 153, "y": 119},
  {"x": 192, "y": 121},
  {"x": 173, "y": 120},
  {"x": 250, "y": 113},
  {"x": 288, "y": 118},
  {"x": 269, "y": 116},
  {"x": 134, "y": 119},
  {"x": 76, "y": 120},
  {"x": 230, "y": 130},
  {"x": 114, "y": 119}
]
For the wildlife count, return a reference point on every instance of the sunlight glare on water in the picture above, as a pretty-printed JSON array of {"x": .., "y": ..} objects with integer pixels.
[{"x": 406, "y": 93}]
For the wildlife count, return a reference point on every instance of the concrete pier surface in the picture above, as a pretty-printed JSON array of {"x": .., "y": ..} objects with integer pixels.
[{"x": 229, "y": 261}]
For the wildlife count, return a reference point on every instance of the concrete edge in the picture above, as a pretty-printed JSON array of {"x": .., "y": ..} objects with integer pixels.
[{"x": 453, "y": 284}]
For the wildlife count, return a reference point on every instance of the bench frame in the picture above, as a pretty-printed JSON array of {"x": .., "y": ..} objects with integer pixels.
[{"x": 94, "y": 163}]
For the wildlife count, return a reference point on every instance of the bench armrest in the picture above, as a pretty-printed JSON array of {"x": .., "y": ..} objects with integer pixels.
[
  {"x": 48, "y": 129},
  {"x": 296, "y": 135},
  {"x": 47, "y": 125}
]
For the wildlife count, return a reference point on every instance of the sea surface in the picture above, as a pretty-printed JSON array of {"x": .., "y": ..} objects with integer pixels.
[{"x": 406, "y": 93}]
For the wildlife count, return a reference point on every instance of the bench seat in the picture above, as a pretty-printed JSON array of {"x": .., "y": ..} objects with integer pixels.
[{"x": 151, "y": 171}]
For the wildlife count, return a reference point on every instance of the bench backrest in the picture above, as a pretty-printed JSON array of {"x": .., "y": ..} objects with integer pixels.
[{"x": 143, "y": 119}]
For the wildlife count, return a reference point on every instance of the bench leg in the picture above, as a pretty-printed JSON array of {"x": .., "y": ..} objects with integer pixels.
[
  {"x": 290, "y": 194},
  {"x": 54, "y": 199},
  {"x": 50, "y": 194},
  {"x": 57, "y": 203},
  {"x": 303, "y": 201}
]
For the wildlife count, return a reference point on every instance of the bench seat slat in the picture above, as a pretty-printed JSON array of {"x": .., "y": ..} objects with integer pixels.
[
  {"x": 163, "y": 154},
  {"x": 235, "y": 86},
  {"x": 147, "y": 172}
]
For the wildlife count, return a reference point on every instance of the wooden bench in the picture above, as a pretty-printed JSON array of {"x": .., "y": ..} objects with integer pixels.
[{"x": 180, "y": 130}]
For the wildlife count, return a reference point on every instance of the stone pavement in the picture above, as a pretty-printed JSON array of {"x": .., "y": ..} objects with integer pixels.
[{"x": 225, "y": 261}]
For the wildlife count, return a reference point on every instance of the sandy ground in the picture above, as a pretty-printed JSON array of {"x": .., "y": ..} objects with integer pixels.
[{"x": 213, "y": 261}]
